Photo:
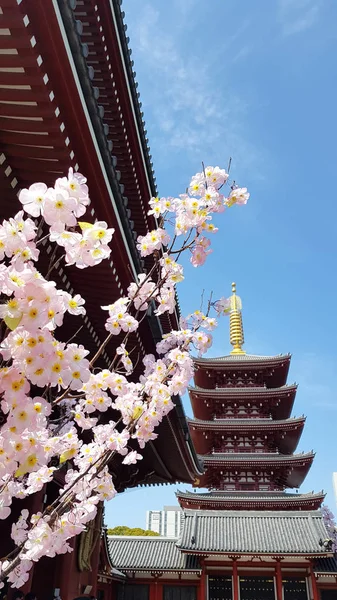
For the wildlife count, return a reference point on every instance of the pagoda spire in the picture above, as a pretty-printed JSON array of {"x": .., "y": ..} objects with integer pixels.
[{"x": 235, "y": 323}]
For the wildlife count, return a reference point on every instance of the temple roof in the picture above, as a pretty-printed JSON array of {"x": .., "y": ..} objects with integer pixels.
[
  {"x": 282, "y": 435},
  {"x": 277, "y": 401},
  {"x": 246, "y": 358},
  {"x": 286, "y": 470},
  {"x": 257, "y": 458},
  {"x": 246, "y": 424},
  {"x": 326, "y": 566},
  {"x": 251, "y": 500},
  {"x": 149, "y": 554},
  {"x": 274, "y": 369},
  {"x": 243, "y": 391},
  {"x": 246, "y": 496},
  {"x": 86, "y": 114},
  {"x": 253, "y": 532},
  {"x": 115, "y": 574},
  {"x": 105, "y": 566}
]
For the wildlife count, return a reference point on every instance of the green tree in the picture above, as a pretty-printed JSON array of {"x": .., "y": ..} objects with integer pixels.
[{"x": 124, "y": 530}]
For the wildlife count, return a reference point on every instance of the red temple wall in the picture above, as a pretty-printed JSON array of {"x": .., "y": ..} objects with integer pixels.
[{"x": 236, "y": 570}]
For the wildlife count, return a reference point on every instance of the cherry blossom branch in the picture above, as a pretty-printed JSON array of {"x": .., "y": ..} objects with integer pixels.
[
  {"x": 56, "y": 263},
  {"x": 39, "y": 429}
]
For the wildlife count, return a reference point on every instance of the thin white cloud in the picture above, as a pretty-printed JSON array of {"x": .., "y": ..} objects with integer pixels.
[
  {"x": 191, "y": 107},
  {"x": 242, "y": 53},
  {"x": 184, "y": 7},
  {"x": 297, "y": 16}
]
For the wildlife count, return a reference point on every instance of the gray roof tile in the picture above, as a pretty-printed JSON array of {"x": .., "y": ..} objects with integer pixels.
[
  {"x": 244, "y": 391},
  {"x": 249, "y": 495},
  {"x": 256, "y": 424},
  {"x": 254, "y": 532},
  {"x": 149, "y": 554},
  {"x": 326, "y": 565},
  {"x": 243, "y": 358},
  {"x": 255, "y": 458}
]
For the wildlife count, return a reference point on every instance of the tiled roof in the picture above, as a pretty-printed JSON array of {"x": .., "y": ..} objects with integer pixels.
[
  {"x": 326, "y": 565},
  {"x": 119, "y": 13},
  {"x": 117, "y": 574},
  {"x": 149, "y": 554},
  {"x": 229, "y": 424},
  {"x": 254, "y": 457},
  {"x": 254, "y": 358},
  {"x": 244, "y": 391},
  {"x": 247, "y": 496},
  {"x": 253, "y": 532}
]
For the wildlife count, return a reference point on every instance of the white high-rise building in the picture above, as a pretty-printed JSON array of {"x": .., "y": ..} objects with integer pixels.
[
  {"x": 166, "y": 522},
  {"x": 334, "y": 482}
]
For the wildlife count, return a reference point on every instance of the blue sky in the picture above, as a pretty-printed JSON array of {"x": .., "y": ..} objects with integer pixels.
[{"x": 255, "y": 81}]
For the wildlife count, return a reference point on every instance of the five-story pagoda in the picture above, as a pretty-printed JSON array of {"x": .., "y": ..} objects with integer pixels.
[
  {"x": 247, "y": 538},
  {"x": 254, "y": 540},
  {"x": 244, "y": 432}
]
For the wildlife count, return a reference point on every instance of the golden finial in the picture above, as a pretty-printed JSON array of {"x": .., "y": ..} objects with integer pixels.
[{"x": 235, "y": 323}]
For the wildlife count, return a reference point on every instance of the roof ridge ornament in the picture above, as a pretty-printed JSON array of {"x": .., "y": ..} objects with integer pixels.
[{"x": 236, "y": 334}]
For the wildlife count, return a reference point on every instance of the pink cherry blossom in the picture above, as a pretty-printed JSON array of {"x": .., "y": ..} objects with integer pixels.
[
  {"x": 154, "y": 240},
  {"x": 59, "y": 208},
  {"x": 222, "y": 306},
  {"x": 33, "y": 198},
  {"x": 238, "y": 196},
  {"x": 199, "y": 256},
  {"x": 20, "y": 575},
  {"x": 131, "y": 458},
  {"x": 124, "y": 358},
  {"x": 75, "y": 186},
  {"x": 74, "y": 392},
  {"x": 75, "y": 304}
]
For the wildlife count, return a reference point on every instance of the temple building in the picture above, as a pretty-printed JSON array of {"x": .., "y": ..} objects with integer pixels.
[
  {"x": 247, "y": 538},
  {"x": 69, "y": 98}
]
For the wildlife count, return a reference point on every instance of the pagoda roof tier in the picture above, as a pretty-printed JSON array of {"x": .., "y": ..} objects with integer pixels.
[
  {"x": 277, "y": 402},
  {"x": 272, "y": 369},
  {"x": 248, "y": 500},
  {"x": 283, "y": 434},
  {"x": 253, "y": 532},
  {"x": 285, "y": 471}
]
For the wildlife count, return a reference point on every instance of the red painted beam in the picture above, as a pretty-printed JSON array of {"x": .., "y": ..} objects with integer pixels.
[
  {"x": 315, "y": 593},
  {"x": 7, "y": 4},
  {"x": 16, "y": 60},
  {"x": 279, "y": 587},
  {"x": 39, "y": 168},
  {"x": 235, "y": 581},
  {"x": 20, "y": 110},
  {"x": 96, "y": 60},
  {"x": 16, "y": 42},
  {"x": 38, "y": 94},
  {"x": 27, "y": 78},
  {"x": 35, "y": 140},
  {"x": 11, "y": 19},
  {"x": 203, "y": 584},
  {"x": 36, "y": 152},
  {"x": 45, "y": 125},
  {"x": 89, "y": 18}
]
